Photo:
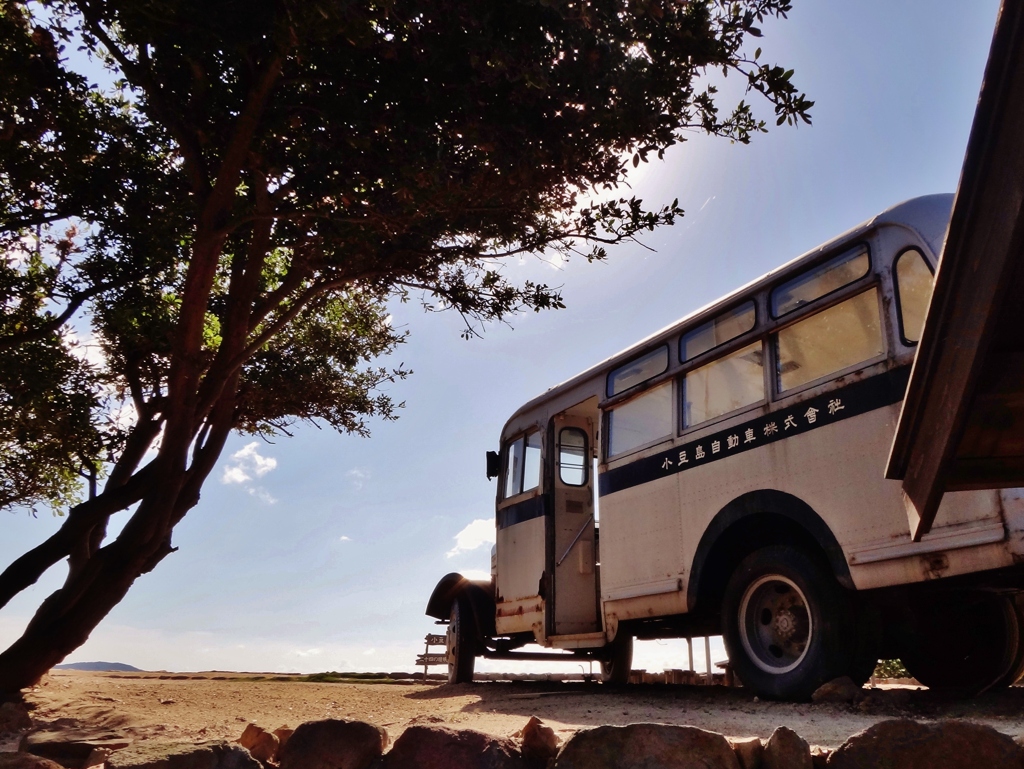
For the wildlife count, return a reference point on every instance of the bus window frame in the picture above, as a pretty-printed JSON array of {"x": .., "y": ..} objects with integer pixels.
[
  {"x": 607, "y": 407},
  {"x": 713, "y": 352},
  {"x": 849, "y": 248},
  {"x": 655, "y": 377},
  {"x": 836, "y": 298},
  {"x": 897, "y": 302},
  {"x": 765, "y": 325},
  {"x": 503, "y": 500}
]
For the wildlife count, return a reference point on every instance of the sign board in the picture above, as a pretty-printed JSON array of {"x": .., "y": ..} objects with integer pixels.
[{"x": 432, "y": 659}]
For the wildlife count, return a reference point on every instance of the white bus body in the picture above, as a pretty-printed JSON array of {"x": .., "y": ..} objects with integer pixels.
[{"x": 736, "y": 459}]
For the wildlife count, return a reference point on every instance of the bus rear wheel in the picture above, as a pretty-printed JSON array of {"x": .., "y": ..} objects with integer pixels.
[
  {"x": 787, "y": 624},
  {"x": 966, "y": 644},
  {"x": 615, "y": 668},
  {"x": 461, "y": 642}
]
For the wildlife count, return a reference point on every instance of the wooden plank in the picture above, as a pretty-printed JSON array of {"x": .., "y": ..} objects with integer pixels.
[{"x": 982, "y": 246}]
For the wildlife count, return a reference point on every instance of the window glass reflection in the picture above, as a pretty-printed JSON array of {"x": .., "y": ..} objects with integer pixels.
[
  {"x": 724, "y": 385},
  {"x": 720, "y": 330},
  {"x": 822, "y": 280},
  {"x": 572, "y": 456},
  {"x": 914, "y": 287},
  {"x": 829, "y": 341},
  {"x": 641, "y": 420}
]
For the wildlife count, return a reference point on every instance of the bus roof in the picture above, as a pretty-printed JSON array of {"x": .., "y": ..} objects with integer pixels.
[{"x": 928, "y": 216}]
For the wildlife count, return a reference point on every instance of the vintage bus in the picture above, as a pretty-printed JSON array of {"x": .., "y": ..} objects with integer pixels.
[{"x": 725, "y": 476}]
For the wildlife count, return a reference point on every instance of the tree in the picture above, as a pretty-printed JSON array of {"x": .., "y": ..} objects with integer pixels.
[{"x": 232, "y": 214}]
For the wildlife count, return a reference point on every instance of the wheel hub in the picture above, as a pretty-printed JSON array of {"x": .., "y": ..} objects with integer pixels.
[{"x": 775, "y": 624}]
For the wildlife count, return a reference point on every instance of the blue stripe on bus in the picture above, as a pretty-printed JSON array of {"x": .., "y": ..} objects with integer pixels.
[
  {"x": 852, "y": 400},
  {"x": 521, "y": 511}
]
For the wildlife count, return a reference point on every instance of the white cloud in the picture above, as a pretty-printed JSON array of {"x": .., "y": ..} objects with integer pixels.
[
  {"x": 477, "y": 534},
  {"x": 358, "y": 477},
  {"x": 247, "y": 463},
  {"x": 235, "y": 475},
  {"x": 262, "y": 495},
  {"x": 475, "y": 574},
  {"x": 306, "y": 652},
  {"x": 343, "y": 538},
  {"x": 369, "y": 652}
]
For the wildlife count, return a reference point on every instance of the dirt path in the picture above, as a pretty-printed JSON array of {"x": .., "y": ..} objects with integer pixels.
[{"x": 211, "y": 705}]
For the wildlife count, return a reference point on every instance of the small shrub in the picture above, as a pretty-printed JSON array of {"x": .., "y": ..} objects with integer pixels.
[{"x": 890, "y": 669}]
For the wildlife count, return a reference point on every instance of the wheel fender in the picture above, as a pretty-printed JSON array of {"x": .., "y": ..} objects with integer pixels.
[
  {"x": 774, "y": 502},
  {"x": 479, "y": 593}
]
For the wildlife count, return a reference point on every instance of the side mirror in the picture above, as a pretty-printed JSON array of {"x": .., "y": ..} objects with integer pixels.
[{"x": 493, "y": 465}]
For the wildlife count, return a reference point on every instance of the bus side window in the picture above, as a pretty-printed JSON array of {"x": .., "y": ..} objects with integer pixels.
[
  {"x": 724, "y": 385},
  {"x": 829, "y": 341},
  {"x": 640, "y": 421},
  {"x": 913, "y": 293},
  {"x": 572, "y": 456},
  {"x": 522, "y": 464}
]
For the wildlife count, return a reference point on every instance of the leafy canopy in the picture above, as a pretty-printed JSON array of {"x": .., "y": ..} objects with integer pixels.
[{"x": 227, "y": 221}]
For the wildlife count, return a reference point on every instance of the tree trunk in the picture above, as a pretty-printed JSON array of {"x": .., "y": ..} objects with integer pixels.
[{"x": 68, "y": 616}]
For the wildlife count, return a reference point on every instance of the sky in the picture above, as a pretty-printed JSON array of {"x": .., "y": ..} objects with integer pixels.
[{"x": 319, "y": 552}]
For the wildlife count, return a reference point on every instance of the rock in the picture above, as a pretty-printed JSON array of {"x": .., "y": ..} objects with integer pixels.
[
  {"x": 26, "y": 761},
  {"x": 539, "y": 741},
  {"x": 14, "y": 718},
  {"x": 216, "y": 754},
  {"x": 647, "y": 746},
  {"x": 786, "y": 749},
  {"x": 438, "y": 747},
  {"x": 819, "y": 756},
  {"x": 333, "y": 744},
  {"x": 283, "y": 734},
  {"x": 907, "y": 744},
  {"x": 73, "y": 748},
  {"x": 261, "y": 744},
  {"x": 97, "y": 757},
  {"x": 840, "y": 690},
  {"x": 749, "y": 752}
]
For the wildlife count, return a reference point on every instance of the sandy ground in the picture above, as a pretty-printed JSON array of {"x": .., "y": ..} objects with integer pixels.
[{"x": 218, "y": 705}]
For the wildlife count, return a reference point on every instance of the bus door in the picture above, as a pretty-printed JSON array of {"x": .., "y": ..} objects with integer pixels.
[{"x": 575, "y": 583}]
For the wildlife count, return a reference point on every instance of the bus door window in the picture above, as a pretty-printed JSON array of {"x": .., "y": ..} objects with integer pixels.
[
  {"x": 572, "y": 456},
  {"x": 829, "y": 341},
  {"x": 913, "y": 293}
]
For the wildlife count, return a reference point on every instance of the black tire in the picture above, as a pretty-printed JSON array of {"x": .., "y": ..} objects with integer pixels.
[
  {"x": 788, "y": 625},
  {"x": 616, "y": 668},
  {"x": 1016, "y": 669},
  {"x": 461, "y": 646},
  {"x": 963, "y": 644}
]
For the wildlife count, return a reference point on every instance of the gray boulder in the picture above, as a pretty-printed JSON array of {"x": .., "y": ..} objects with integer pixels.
[
  {"x": 437, "y": 747},
  {"x": 906, "y": 744},
  {"x": 215, "y": 754},
  {"x": 786, "y": 749},
  {"x": 647, "y": 746},
  {"x": 333, "y": 744}
]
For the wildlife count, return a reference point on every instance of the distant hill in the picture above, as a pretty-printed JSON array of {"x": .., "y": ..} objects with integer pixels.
[{"x": 104, "y": 667}]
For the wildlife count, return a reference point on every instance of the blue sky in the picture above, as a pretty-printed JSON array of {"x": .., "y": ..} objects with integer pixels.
[{"x": 319, "y": 552}]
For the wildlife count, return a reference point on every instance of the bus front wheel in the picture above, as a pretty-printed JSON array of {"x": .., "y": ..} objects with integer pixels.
[
  {"x": 461, "y": 642},
  {"x": 787, "y": 623}
]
